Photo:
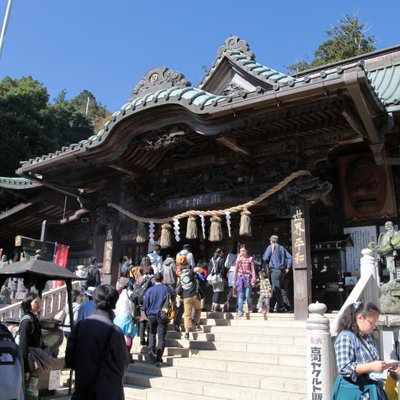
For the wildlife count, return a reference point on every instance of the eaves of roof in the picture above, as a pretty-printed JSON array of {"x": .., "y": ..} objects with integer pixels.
[
  {"x": 14, "y": 210},
  {"x": 385, "y": 82},
  {"x": 18, "y": 183},
  {"x": 249, "y": 65},
  {"x": 199, "y": 102}
]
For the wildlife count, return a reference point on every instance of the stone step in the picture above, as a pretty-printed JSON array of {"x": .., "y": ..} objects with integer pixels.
[
  {"x": 133, "y": 392},
  {"x": 256, "y": 330},
  {"x": 252, "y": 315},
  {"x": 239, "y": 366},
  {"x": 259, "y": 358},
  {"x": 253, "y": 319},
  {"x": 227, "y": 335},
  {"x": 217, "y": 366},
  {"x": 282, "y": 388},
  {"x": 140, "y": 352},
  {"x": 236, "y": 346},
  {"x": 250, "y": 379}
]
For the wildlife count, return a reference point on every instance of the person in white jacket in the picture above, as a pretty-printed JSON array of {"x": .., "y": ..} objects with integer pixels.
[
  {"x": 76, "y": 305},
  {"x": 124, "y": 313}
]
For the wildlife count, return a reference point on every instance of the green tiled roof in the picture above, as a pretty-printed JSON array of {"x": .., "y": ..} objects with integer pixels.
[
  {"x": 386, "y": 83},
  {"x": 259, "y": 70},
  {"x": 238, "y": 52}
]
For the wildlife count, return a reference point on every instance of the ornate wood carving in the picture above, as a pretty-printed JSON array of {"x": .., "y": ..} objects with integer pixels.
[
  {"x": 159, "y": 78},
  {"x": 235, "y": 43},
  {"x": 232, "y": 87}
]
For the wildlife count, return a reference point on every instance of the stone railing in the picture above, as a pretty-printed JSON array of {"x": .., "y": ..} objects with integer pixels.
[
  {"x": 367, "y": 287},
  {"x": 321, "y": 368},
  {"x": 53, "y": 301}
]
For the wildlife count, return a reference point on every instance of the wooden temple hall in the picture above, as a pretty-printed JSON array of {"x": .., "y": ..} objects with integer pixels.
[{"x": 247, "y": 153}]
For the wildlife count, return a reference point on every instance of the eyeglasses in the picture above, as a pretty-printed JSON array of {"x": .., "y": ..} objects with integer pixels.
[{"x": 372, "y": 324}]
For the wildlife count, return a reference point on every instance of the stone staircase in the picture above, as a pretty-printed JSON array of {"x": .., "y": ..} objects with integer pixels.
[{"x": 245, "y": 359}]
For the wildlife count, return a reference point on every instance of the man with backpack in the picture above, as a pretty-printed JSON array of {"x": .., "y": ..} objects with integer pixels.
[
  {"x": 144, "y": 281},
  {"x": 155, "y": 259},
  {"x": 154, "y": 300},
  {"x": 188, "y": 290},
  {"x": 94, "y": 274},
  {"x": 11, "y": 367},
  {"x": 188, "y": 254},
  {"x": 169, "y": 272}
]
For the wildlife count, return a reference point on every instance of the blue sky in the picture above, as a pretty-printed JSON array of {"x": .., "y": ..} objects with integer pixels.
[{"x": 107, "y": 46}]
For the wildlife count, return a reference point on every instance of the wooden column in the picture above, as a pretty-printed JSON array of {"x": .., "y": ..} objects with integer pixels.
[
  {"x": 111, "y": 255},
  {"x": 301, "y": 260}
]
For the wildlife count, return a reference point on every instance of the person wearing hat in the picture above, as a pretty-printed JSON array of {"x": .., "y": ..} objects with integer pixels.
[
  {"x": 76, "y": 305},
  {"x": 279, "y": 261},
  {"x": 88, "y": 307},
  {"x": 155, "y": 259}
]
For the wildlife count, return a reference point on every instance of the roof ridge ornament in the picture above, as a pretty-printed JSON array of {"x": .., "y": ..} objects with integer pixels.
[
  {"x": 235, "y": 43},
  {"x": 159, "y": 78}
]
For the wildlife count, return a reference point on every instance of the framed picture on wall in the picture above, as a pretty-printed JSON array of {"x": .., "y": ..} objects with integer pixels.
[{"x": 367, "y": 188}]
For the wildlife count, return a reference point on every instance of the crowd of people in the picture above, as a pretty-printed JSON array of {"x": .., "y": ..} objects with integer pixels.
[
  {"x": 100, "y": 337},
  {"x": 107, "y": 318}
]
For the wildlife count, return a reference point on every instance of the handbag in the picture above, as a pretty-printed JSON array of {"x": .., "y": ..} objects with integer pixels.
[
  {"x": 391, "y": 387},
  {"x": 214, "y": 279},
  {"x": 40, "y": 360}
]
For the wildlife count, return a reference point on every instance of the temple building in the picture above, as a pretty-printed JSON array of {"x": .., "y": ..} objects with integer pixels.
[{"x": 247, "y": 153}]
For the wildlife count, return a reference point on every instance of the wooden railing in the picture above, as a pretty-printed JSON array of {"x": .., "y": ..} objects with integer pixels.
[{"x": 53, "y": 301}]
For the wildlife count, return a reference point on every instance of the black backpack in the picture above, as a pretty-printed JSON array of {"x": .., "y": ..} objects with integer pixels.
[
  {"x": 138, "y": 293},
  {"x": 91, "y": 278},
  {"x": 167, "y": 312},
  {"x": 11, "y": 366}
]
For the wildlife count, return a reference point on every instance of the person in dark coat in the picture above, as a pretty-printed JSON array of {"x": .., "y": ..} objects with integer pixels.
[
  {"x": 30, "y": 335},
  {"x": 97, "y": 352},
  {"x": 154, "y": 299}
]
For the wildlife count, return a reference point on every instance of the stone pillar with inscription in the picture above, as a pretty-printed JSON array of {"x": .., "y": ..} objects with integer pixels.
[
  {"x": 321, "y": 369},
  {"x": 301, "y": 260}
]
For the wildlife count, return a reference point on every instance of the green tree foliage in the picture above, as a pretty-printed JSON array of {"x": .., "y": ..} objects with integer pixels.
[
  {"x": 348, "y": 39},
  {"x": 30, "y": 126}
]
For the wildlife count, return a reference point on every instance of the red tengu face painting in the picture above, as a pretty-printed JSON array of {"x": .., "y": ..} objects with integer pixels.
[{"x": 367, "y": 188}]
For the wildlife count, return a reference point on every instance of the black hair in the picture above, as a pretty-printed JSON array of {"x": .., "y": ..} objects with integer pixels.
[
  {"x": 94, "y": 259},
  {"x": 348, "y": 320},
  {"x": 105, "y": 297},
  {"x": 26, "y": 302},
  {"x": 158, "y": 277},
  {"x": 145, "y": 261},
  {"x": 234, "y": 248},
  {"x": 75, "y": 293},
  {"x": 263, "y": 274}
]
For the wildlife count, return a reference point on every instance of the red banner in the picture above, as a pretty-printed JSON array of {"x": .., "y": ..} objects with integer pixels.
[{"x": 60, "y": 258}]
